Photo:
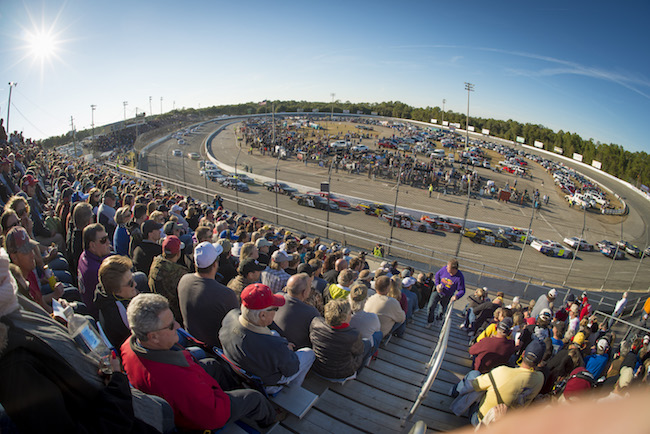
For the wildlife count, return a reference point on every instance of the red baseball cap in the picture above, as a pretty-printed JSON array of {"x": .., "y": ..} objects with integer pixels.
[
  {"x": 29, "y": 180},
  {"x": 172, "y": 244},
  {"x": 258, "y": 296}
]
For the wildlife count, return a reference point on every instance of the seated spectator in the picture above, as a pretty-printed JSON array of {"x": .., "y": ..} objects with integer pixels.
[
  {"x": 156, "y": 364},
  {"x": 21, "y": 252},
  {"x": 544, "y": 301},
  {"x": 340, "y": 351},
  {"x": 391, "y": 316},
  {"x": 121, "y": 237},
  {"x": 472, "y": 302},
  {"x": 561, "y": 364},
  {"x": 248, "y": 341},
  {"x": 540, "y": 331},
  {"x": 96, "y": 248},
  {"x": 514, "y": 387},
  {"x": 82, "y": 215},
  {"x": 423, "y": 289},
  {"x": 274, "y": 276},
  {"x": 295, "y": 316},
  {"x": 249, "y": 272},
  {"x": 166, "y": 272},
  {"x": 42, "y": 233},
  {"x": 331, "y": 275},
  {"x": 106, "y": 212},
  {"x": 495, "y": 350},
  {"x": 367, "y": 323},
  {"x": 341, "y": 289},
  {"x": 596, "y": 363},
  {"x": 499, "y": 314},
  {"x": 263, "y": 245},
  {"x": 412, "y": 299},
  {"x": 484, "y": 313},
  {"x": 114, "y": 291},
  {"x": 49, "y": 384},
  {"x": 227, "y": 263},
  {"x": 149, "y": 248},
  {"x": 203, "y": 301}
]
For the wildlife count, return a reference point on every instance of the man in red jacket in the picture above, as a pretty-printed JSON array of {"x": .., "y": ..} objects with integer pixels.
[
  {"x": 157, "y": 365},
  {"x": 495, "y": 350}
]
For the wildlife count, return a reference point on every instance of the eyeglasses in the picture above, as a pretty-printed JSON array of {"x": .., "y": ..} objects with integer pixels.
[
  {"x": 21, "y": 212},
  {"x": 103, "y": 240},
  {"x": 273, "y": 309},
  {"x": 169, "y": 327}
]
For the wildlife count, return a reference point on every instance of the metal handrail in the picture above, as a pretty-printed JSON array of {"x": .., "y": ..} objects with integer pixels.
[
  {"x": 434, "y": 364},
  {"x": 629, "y": 325}
]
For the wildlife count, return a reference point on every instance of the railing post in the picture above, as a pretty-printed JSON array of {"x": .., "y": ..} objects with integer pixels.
[
  {"x": 635, "y": 305},
  {"x": 530, "y": 279}
]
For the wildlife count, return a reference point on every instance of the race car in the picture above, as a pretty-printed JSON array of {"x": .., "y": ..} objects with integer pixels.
[
  {"x": 516, "y": 235},
  {"x": 235, "y": 184},
  {"x": 374, "y": 208},
  {"x": 577, "y": 243},
  {"x": 406, "y": 221},
  {"x": 280, "y": 187},
  {"x": 630, "y": 249},
  {"x": 610, "y": 250},
  {"x": 487, "y": 236},
  {"x": 314, "y": 201},
  {"x": 441, "y": 223},
  {"x": 551, "y": 248},
  {"x": 342, "y": 203}
]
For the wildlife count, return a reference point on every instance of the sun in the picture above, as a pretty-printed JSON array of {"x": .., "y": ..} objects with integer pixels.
[{"x": 42, "y": 44}]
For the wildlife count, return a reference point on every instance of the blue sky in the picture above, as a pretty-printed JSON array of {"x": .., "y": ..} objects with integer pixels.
[{"x": 576, "y": 66}]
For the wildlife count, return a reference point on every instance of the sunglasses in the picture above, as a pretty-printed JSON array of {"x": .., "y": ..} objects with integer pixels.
[
  {"x": 169, "y": 327},
  {"x": 273, "y": 309},
  {"x": 103, "y": 240}
]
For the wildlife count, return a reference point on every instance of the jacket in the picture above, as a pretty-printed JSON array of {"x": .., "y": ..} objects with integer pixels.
[
  {"x": 88, "y": 277},
  {"x": 112, "y": 316},
  {"x": 143, "y": 255},
  {"x": 164, "y": 276},
  {"x": 256, "y": 350},
  {"x": 339, "y": 351},
  {"x": 198, "y": 401}
]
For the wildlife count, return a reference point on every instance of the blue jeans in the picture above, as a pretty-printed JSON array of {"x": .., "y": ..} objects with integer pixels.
[
  {"x": 470, "y": 317},
  {"x": 398, "y": 329},
  {"x": 412, "y": 302},
  {"x": 436, "y": 298},
  {"x": 465, "y": 394}
]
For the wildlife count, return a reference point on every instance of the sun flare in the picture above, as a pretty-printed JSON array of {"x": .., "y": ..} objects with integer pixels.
[{"x": 42, "y": 44}]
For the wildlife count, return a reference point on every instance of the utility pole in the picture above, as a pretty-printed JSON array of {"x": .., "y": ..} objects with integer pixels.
[
  {"x": 150, "y": 109},
  {"x": 12, "y": 84},
  {"x": 74, "y": 141},
  {"x": 92, "y": 119},
  {"x": 161, "y": 105},
  {"x": 469, "y": 87},
  {"x": 332, "y": 115},
  {"x": 125, "y": 103}
]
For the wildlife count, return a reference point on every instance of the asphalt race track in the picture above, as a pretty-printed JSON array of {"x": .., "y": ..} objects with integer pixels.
[{"x": 554, "y": 222}]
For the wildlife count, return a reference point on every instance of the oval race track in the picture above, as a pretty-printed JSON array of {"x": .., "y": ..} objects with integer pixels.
[{"x": 553, "y": 222}]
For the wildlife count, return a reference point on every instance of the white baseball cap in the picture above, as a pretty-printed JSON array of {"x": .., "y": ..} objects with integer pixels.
[{"x": 206, "y": 253}]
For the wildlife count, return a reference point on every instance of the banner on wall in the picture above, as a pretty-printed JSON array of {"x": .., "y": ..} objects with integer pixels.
[
  {"x": 471, "y": 128},
  {"x": 538, "y": 144},
  {"x": 597, "y": 164},
  {"x": 521, "y": 140},
  {"x": 434, "y": 121},
  {"x": 558, "y": 150},
  {"x": 486, "y": 132},
  {"x": 577, "y": 157}
]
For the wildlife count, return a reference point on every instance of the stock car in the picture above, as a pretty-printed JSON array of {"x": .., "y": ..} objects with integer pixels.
[
  {"x": 406, "y": 221},
  {"x": 244, "y": 178},
  {"x": 480, "y": 235},
  {"x": 235, "y": 184},
  {"x": 342, "y": 203},
  {"x": 280, "y": 187},
  {"x": 579, "y": 244},
  {"x": 551, "y": 248},
  {"x": 441, "y": 223},
  {"x": 374, "y": 208},
  {"x": 610, "y": 250},
  {"x": 516, "y": 235},
  {"x": 630, "y": 249},
  {"x": 314, "y": 201}
]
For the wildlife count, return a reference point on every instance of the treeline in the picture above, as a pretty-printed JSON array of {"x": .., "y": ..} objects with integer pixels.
[{"x": 633, "y": 167}]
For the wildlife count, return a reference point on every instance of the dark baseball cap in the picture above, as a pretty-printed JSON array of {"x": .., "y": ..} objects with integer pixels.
[
  {"x": 149, "y": 226},
  {"x": 250, "y": 265}
]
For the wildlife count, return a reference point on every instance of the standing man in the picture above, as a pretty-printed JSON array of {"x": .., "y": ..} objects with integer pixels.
[
  {"x": 449, "y": 286},
  {"x": 618, "y": 309},
  {"x": 430, "y": 189}
]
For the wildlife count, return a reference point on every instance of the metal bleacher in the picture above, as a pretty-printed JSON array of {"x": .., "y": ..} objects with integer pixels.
[{"x": 379, "y": 400}]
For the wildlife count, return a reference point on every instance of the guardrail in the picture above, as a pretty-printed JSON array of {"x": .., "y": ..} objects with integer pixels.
[
  {"x": 613, "y": 320},
  {"x": 434, "y": 364}
]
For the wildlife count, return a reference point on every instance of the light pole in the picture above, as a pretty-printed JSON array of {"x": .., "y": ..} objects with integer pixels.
[
  {"x": 469, "y": 87},
  {"x": 443, "y": 111},
  {"x": 125, "y": 103},
  {"x": 161, "y": 104},
  {"x": 12, "y": 84},
  {"x": 150, "y": 109},
  {"x": 277, "y": 162},
  {"x": 392, "y": 220},
  {"x": 236, "y": 159},
  {"x": 521, "y": 255},
  {"x": 332, "y": 115},
  {"x": 92, "y": 120},
  {"x": 460, "y": 239},
  {"x": 582, "y": 234}
]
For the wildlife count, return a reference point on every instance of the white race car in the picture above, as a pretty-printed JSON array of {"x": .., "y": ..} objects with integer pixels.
[
  {"x": 551, "y": 248},
  {"x": 577, "y": 243}
]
